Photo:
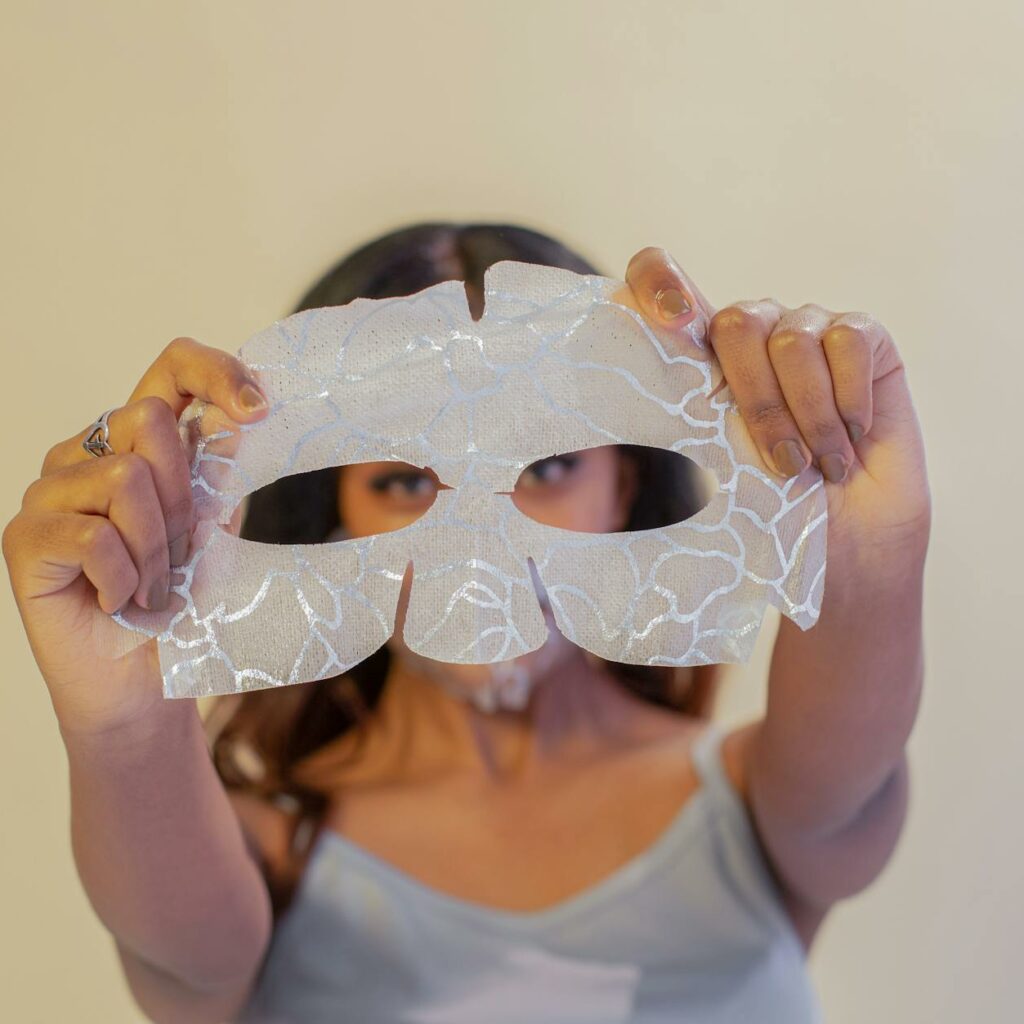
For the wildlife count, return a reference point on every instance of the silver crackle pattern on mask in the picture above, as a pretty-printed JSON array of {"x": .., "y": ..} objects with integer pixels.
[{"x": 554, "y": 365}]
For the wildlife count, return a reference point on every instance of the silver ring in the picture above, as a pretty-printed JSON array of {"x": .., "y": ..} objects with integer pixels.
[{"x": 97, "y": 440}]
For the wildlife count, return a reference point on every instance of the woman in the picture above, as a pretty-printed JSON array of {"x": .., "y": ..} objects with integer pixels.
[{"x": 380, "y": 846}]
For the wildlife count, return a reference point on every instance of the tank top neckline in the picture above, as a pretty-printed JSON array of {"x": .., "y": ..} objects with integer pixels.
[{"x": 664, "y": 850}]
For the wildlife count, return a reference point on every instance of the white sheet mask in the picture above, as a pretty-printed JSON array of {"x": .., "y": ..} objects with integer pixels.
[{"x": 555, "y": 365}]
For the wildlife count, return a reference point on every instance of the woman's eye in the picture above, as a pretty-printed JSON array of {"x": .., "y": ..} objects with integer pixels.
[
  {"x": 550, "y": 470},
  {"x": 415, "y": 485},
  {"x": 405, "y": 485}
]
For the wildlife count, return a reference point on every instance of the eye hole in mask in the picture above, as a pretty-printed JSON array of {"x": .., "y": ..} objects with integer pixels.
[
  {"x": 550, "y": 491},
  {"x": 298, "y": 508}
]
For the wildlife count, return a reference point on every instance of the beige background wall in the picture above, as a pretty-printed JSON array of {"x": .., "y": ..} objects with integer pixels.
[{"x": 189, "y": 168}]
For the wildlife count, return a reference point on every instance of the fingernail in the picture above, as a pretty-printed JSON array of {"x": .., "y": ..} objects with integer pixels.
[
  {"x": 833, "y": 466},
  {"x": 672, "y": 303},
  {"x": 251, "y": 398},
  {"x": 789, "y": 457},
  {"x": 159, "y": 594},
  {"x": 179, "y": 549},
  {"x": 856, "y": 432}
]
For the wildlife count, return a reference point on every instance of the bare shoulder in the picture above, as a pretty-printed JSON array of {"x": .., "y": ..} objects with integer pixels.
[{"x": 736, "y": 743}]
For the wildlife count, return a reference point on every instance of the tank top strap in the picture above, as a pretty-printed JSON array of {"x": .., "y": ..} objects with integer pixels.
[
  {"x": 740, "y": 852},
  {"x": 706, "y": 754}
]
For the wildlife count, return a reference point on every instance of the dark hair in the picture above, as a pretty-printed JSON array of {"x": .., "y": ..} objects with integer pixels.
[{"x": 264, "y": 741}]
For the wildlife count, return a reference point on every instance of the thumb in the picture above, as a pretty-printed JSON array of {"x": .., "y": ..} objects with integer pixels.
[{"x": 673, "y": 307}]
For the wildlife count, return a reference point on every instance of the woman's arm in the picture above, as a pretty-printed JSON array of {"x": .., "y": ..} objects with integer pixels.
[
  {"x": 827, "y": 779},
  {"x": 166, "y": 1000},
  {"x": 162, "y": 858},
  {"x": 157, "y": 844},
  {"x": 827, "y": 772}
]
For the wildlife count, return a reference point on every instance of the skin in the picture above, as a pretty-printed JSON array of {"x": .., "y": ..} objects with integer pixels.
[{"x": 823, "y": 774}]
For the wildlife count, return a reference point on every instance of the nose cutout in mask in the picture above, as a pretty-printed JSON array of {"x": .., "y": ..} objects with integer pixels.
[{"x": 555, "y": 364}]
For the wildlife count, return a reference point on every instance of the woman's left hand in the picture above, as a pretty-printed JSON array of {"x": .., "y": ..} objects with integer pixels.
[{"x": 811, "y": 385}]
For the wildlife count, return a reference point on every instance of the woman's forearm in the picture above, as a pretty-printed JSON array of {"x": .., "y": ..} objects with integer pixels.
[
  {"x": 843, "y": 696},
  {"x": 160, "y": 851}
]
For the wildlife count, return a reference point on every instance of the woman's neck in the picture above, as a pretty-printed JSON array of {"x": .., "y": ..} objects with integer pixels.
[{"x": 419, "y": 729}]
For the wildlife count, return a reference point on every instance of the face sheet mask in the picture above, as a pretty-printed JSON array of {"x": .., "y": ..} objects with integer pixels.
[{"x": 555, "y": 365}]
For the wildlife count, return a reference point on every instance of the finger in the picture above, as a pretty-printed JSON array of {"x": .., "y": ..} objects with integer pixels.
[
  {"x": 668, "y": 297},
  {"x": 669, "y": 302},
  {"x": 796, "y": 354},
  {"x": 147, "y": 428},
  {"x": 739, "y": 334},
  {"x": 121, "y": 489},
  {"x": 188, "y": 369},
  {"x": 850, "y": 344},
  {"x": 653, "y": 270},
  {"x": 47, "y": 551}
]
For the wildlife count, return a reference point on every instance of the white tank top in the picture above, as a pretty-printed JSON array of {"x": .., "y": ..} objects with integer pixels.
[{"x": 691, "y": 929}]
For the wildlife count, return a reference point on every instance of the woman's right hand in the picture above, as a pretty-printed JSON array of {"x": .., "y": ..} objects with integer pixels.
[{"x": 108, "y": 529}]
